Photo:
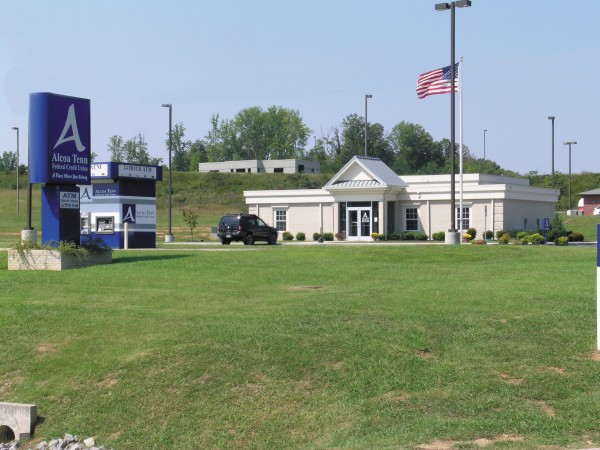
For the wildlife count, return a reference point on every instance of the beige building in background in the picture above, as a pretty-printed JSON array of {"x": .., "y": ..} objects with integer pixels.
[
  {"x": 262, "y": 166},
  {"x": 366, "y": 196}
]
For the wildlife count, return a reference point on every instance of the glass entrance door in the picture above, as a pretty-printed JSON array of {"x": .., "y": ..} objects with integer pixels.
[{"x": 359, "y": 224}]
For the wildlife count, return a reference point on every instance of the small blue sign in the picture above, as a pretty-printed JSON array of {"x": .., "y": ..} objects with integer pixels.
[
  {"x": 129, "y": 213},
  {"x": 59, "y": 139},
  {"x": 546, "y": 224}
]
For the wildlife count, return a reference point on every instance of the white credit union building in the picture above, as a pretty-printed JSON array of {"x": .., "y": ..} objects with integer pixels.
[{"x": 366, "y": 196}]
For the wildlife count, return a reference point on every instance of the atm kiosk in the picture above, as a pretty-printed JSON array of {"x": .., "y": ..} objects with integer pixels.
[{"x": 120, "y": 204}]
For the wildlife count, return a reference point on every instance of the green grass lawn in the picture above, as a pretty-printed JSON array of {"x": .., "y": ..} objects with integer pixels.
[{"x": 321, "y": 346}]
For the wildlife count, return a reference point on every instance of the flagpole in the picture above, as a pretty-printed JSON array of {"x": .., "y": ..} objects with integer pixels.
[{"x": 460, "y": 144}]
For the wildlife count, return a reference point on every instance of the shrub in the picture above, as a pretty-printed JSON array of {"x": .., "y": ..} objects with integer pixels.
[
  {"x": 300, "y": 236},
  {"x": 499, "y": 234},
  {"x": 316, "y": 236},
  {"x": 513, "y": 233},
  {"x": 557, "y": 229},
  {"x": 515, "y": 241},
  {"x": 536, "y": 239},
  {"x": 522, "y": 235},
  {"x": 439, "y": 236},
  {"x": 575, "y": 237},
  {"x": 328, "y": 236},
  {"x": 339, "y": 236},
  {"x": 478, "y": 242},
  {"x": 287, "y": 236},
  {"x": 472, "y": 232},
  {"x": 562, "y": 241},
  {"x": 420, "y": 237},
  {"x": 489, "y": 234},
  {"x": 504, "y": 239},
  {"x": 382, "y": 237},
  {"x": 394, "y": 236},
  {"x": 408, "y": 236},
  {"x": 467, "y": 237}
]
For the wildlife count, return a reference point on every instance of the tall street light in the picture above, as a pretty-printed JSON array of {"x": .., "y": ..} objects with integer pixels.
[
  {"x": 453, "y": 238},
  {"x": 367, "y": 96},
  {"x": 552, "y": 119},
  {"x": 484, "y": 131},
  {"x": 569, "y": 143},
  {"x": 17, "y": 129},
  {"x": 169, "y": 236}
]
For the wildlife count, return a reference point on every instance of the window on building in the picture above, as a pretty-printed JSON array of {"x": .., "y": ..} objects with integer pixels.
[
  {"x": 411, "y": 219},
  {"x": 300, "y": 168},
  {"x": 278, "y": 170},
  {"x": 342, "y": 217},
  {"x": 281, "y": 219},
  {"x": 466, "y": 221}
]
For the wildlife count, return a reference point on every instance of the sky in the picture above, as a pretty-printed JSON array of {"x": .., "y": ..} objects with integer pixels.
[{"x": 523, "y": 61}]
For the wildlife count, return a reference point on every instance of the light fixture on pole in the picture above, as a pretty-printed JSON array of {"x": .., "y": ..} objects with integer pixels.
[
  {"x": 367, "y": 96},
  {"x": 169, "y": 236},
  {"x": 569, "y": 143},
  {"x": 484, "y": 132},
  {"x": 17, "y": 129},
  {"x": 452, "y": 235},
  {"x": 552, "y": 119}
]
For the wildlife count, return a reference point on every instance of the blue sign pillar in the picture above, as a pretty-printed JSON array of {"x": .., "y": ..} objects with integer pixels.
[
  {"x": 59, "y": 158},
  {"x": 60, "y": 210}
]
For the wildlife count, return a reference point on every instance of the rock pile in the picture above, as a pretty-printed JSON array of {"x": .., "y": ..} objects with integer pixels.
[{"x": 68, "y": 442}]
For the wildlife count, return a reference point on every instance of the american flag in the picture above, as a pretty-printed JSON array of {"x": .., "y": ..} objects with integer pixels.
[{"x": 436, "y": 82}]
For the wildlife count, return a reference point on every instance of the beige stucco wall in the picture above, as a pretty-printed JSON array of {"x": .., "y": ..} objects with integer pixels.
[{"x": 308, "y": 218}]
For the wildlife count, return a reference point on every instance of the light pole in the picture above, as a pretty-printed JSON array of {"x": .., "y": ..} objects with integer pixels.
[
  {"x": 552, "y": 119},
  {"x": 484, "y": 131},
  {"x": 17, "y": 129},
  {"x": 452, "y": 238},
  {"x": 569, "y": 143},
  {"x": 169, "y": 236},
  {"x": 367, "y": 96}
]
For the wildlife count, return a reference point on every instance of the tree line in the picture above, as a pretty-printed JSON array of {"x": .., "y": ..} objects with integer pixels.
[{"x": 280, "y": 133}]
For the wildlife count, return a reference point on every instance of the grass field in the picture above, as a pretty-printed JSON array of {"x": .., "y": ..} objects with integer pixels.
[{"x": 317, "y": 346}]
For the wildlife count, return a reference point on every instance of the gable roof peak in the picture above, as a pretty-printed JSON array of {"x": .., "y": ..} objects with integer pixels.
[{"x": 365, "y": 168}]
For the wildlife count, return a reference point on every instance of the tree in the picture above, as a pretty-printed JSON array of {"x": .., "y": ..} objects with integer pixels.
[
  {"x": 256, "y": 134},
  {"x": 197, "y": 154},
  {"x": 191, "y": 219},
  {"x": 415, "y": 150},
  {"x": 285, "y": 133},
  {"x": 134, "y": 151},
  {"x": 351, "y": 141},
  {"x": 8, "y": 162},
  {"x": 115, "y": 148},
  {"x": 180, "y": 148},
  {"x": 352, "y": 138},
  {"x": 248, "y": 124}
]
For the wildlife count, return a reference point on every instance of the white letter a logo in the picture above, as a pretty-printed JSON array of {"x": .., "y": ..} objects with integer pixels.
[
  {"x": 129, "y": 215},
  {"x": 72, "y": 124}
]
